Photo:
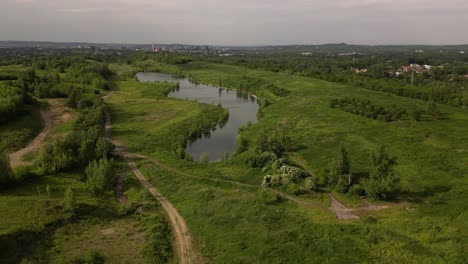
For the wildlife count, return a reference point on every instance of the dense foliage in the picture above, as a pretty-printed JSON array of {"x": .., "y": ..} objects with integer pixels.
[
  {"x": 84, "y": 144},
  {"x": 369, "y": 110}
]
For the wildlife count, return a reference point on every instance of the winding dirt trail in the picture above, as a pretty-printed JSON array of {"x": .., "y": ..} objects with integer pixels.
[
  {"x": 341, "y": 211},
  {"x": 183, "y": 240},
  {"x": 282, "y": 194},
  {"x": 16, "y": 159}
]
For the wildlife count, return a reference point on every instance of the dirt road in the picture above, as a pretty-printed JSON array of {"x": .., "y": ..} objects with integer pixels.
[
  {"x": 16, "y": 159},
  {"x": 179, "y": 227},
  {"x": 181, "y": 232},
  {"x": 343, "y": 212}
]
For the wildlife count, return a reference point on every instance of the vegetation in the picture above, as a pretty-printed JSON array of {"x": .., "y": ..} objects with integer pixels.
[
  {"x": 299, "y": 147},
  {"x": 365, "y": 108},
  {"x": 49, "y": 209},
  {"x": 99, "y": 175}
]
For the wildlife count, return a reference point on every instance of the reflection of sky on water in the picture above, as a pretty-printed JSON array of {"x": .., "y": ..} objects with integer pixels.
[{"x": 242, "y": 109}]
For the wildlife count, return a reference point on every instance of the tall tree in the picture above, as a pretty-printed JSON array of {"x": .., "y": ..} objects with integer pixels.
[
  {"x": 342, "y": 171},
  {"x": 382, "y": 179}
]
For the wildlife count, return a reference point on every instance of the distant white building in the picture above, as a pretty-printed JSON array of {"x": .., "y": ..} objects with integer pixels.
[{"x": 462, "y": 52}]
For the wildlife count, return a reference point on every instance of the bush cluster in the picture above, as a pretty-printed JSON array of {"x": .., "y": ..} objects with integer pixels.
[
  {"x": 381, "y": 183},
  {"x": 366, "y": 109},
  {"x": 85, "y": 143}
]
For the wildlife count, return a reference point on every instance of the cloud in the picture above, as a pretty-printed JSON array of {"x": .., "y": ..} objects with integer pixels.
[{"x": 236, "y": 22}]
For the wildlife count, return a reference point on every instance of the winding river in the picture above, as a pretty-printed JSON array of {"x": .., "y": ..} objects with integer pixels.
[{"x": 242, "y": 109}]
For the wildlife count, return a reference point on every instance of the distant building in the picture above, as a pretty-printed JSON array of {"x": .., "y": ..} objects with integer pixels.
[
  {"x": 359, "y": 71},
  {"x": 347, "y": 54}
]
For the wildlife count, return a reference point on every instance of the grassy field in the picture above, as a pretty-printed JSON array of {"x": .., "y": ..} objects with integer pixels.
[
  {"x": 36, "y": 228},
  {"x": 231, "y": 224}
]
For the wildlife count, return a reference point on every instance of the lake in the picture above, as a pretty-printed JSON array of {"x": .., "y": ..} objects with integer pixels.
[{"x": 242, "y": 107}]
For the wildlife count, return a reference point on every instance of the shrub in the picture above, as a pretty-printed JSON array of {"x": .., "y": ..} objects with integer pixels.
[
  {"x": 267, "y": 181},
  {"x": 279, "y": 163},
  {"x": 23, "y": 172},
  {"x": 263, "y": 159},
  {"x": 267, "y": 196},
  {"x": 158, "y": 247},
  {"x": 356, "y": 189},
  {"x": 242, "y": 144},
  {"x": 69, "y": 200},
  {"x": 99, "y": 175},
  {"x": 292, "y": 172},
  {"x": 93, "y": 257},
  {"x": 310, "y": 184},
  {"x": 292, "y": 188}
]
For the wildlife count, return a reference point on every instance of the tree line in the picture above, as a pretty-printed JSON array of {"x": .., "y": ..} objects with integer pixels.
[
  {"x": 447, "y": 85},
  {"x": 394, "y": 113}
]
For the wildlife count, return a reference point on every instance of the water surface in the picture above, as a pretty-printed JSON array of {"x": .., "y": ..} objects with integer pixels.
[{"x": 242, "y": 109}]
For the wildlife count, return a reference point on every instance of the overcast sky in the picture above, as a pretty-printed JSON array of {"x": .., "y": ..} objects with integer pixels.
[{"x": 237, "y": 22}]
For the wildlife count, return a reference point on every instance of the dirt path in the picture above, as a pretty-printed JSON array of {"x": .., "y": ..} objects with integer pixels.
[
  {"x": 282, "y": 194},
  {"x": 179, "y": 227},
  {"x": 340, "y": 210},
  {"x": 343, "y": 212},
  {"x": 16, "y": 159},
  {"x": 181, "y": 232}
]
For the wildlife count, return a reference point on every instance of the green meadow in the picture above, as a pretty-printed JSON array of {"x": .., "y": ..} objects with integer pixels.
[{"x": 237, "y": 224}]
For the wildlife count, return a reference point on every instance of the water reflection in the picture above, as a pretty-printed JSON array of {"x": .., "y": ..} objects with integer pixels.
[{"x": 221, "y": 140}]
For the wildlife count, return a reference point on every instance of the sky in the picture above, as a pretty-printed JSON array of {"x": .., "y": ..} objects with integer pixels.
[{"x": 236, "y": 22}]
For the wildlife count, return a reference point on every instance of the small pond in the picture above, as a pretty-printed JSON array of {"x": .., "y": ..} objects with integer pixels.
[{"x": 242, "y": 107}]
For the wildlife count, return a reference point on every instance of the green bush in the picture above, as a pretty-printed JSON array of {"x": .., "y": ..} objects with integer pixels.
[
  {"x": 99, "y": 176},
  {"x": 292, "y": 188},
  {"x": 264, "y": 159},
  {"x": 266, "y": 196},
  {"x": 310, "y": 184},
  {"x": 158, "y": 246},
  {"x": 382, "y": 180}
]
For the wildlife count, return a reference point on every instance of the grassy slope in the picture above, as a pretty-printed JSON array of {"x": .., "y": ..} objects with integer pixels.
[
  {"x": 17, "y": 133},
  {"x": 231, "y": 225}
]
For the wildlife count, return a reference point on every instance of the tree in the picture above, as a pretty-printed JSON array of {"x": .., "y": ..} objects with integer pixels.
[
  {"x": 104, "y": 148},
  {"x": 340, "y": 174},
  {"x": 98, "y": 175},
  {"x": 382, "y": 179},
  {"x": 69, "y": 200}
]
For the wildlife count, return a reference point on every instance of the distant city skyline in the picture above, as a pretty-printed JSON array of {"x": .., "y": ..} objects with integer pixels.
[{"x": 236, "y": 23}]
